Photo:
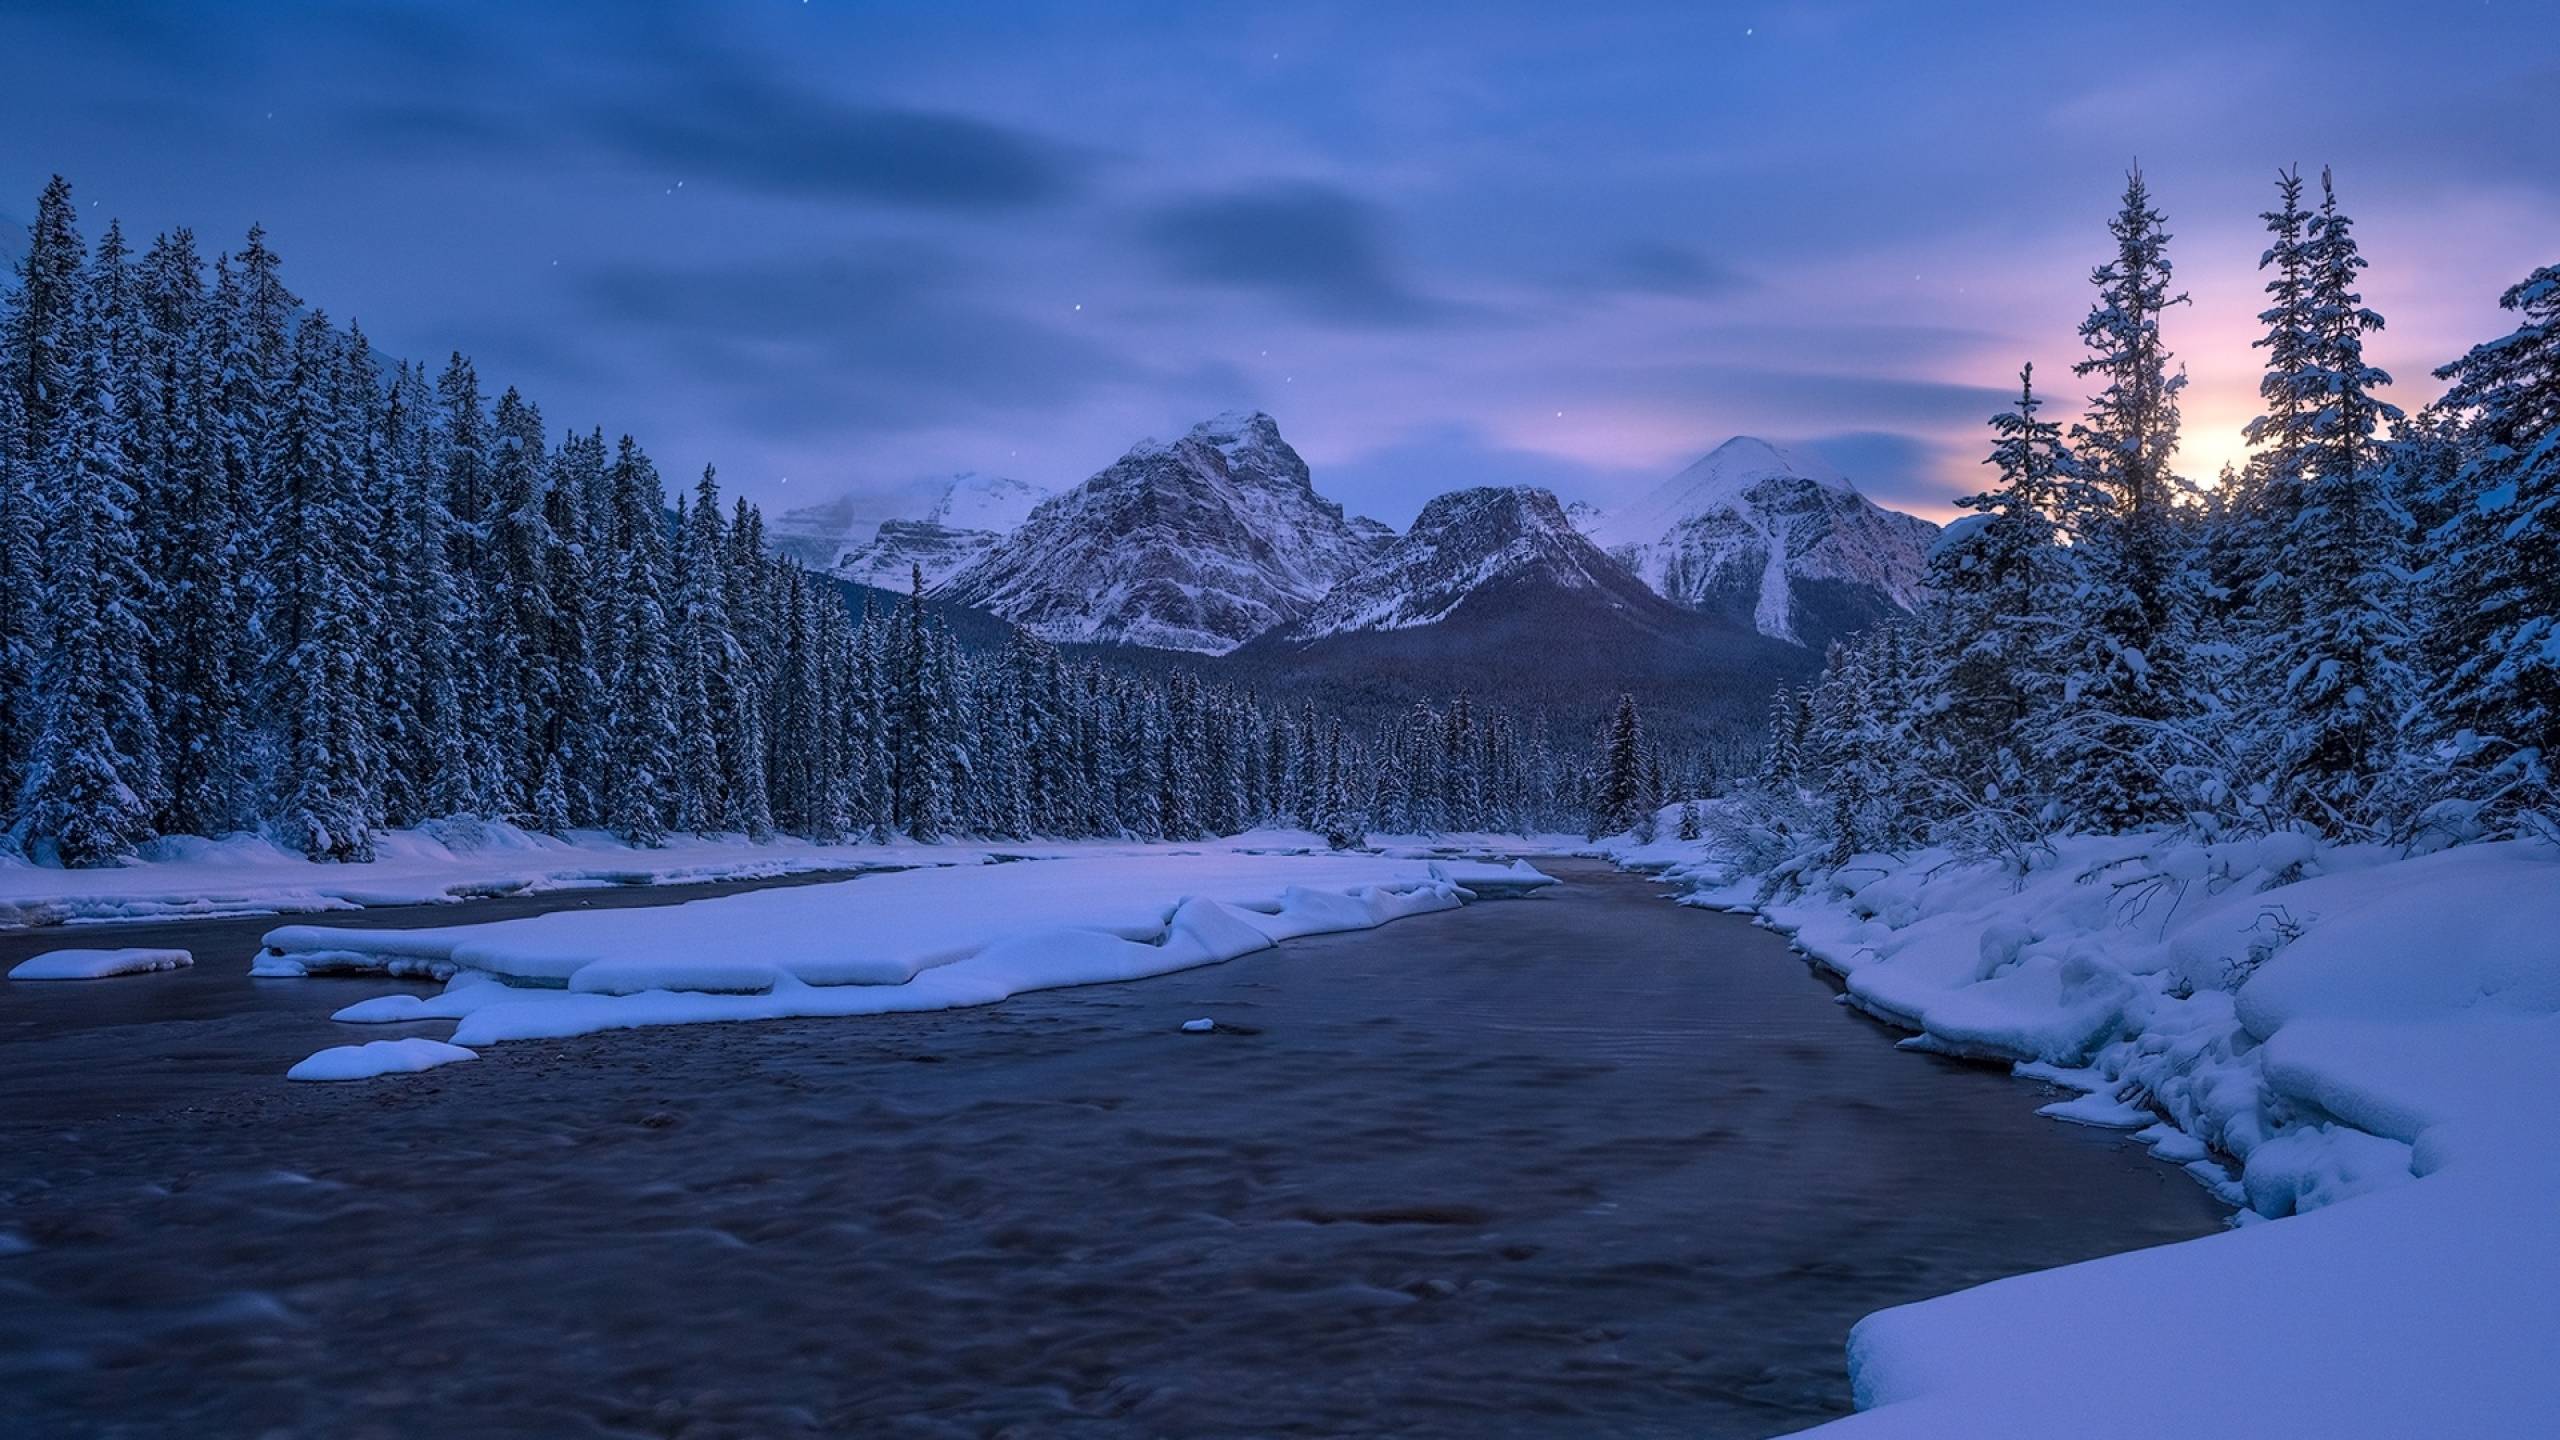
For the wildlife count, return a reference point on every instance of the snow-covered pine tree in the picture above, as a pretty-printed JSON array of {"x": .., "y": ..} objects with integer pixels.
[
  {"x": 1998, "y": 578},
  {"x": 363, "y": 407},
  {"x": 2125, "y": 674},
  {"x": 80, "y": 793},
  {"x": 2343, "y": 652},
  {"x": 1622, "y": 771},
  {"x": 424, "y": 727},
  {"x": 701, "y": 639},
  {"x": 481, "y": 641},
  {"x": 39, "y": 345},
  {"x": 2258, "y": 522},
  {"x": 189, "y": 543},
  {"x": 750, "y": 667},
  {"x": 116, "y": 359},
  {"x": 21, "y": 589},
  {"x": 1342, "y": 822},
  {"x": 876, "y": 764},
  {"x": 523, "y": 682},
  {"x": 955, "y": 725},
  {"x": 641, "y": 724},
  {"x": 574, "y": 729},
  {"x": 315, "y": 548},
  {"x": 2497, "y": 684}
]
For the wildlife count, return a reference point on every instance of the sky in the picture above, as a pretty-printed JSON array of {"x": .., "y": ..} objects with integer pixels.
[{"x": 841, "y": 249}]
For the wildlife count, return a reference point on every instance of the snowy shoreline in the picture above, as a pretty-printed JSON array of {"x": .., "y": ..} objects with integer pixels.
[
  {"x": 919, "y": 939},
  {"x": 2255, "y": 1002},
  {"x": 189, "y": 878}
]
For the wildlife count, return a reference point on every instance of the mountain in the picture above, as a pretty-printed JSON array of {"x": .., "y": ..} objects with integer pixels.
[
  {"x": 1494, "y": 592},
  {"x": 966, "y": 517},
  {"x": 1777, "y": 541},
  {"x": 1196, "y": 544},
  {"x": 1476, "y": 547},
  {"x": 816, "y": 535}
]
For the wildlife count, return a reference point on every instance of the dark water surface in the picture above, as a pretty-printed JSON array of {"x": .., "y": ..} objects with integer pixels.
[{"x": 1577, "y": 1165}]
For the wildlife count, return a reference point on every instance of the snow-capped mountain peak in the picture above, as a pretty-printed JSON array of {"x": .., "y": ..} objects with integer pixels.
[
  {"x": 1774, "y": 537},
  {"x": 986, "y": 502},
  {"x": 1722, "y": 479},
  {"x": 1198, "y": 543},
  {"x": 1464, "y": 544},
  {"x": 967, "y": 516}
]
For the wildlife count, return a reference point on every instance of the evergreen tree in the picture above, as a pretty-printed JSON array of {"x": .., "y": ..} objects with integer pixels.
[
  {"x": 573, "y": 729},
  {"x": 481, "y": 639},
  {"x": 641, "y": 725},
  {"x": 2269, "y": 489},
  {"x": 39, "y": 348},
  {"x": 80, "y": 788},
  {"x": 2345, "y": 676},
  {"x": 522, "y": 683},
  {"x": 1997, "y": 580},
  {"x": 2125, "y": 670},
  {"x": 315, "y": 544},
  {"x": 1621, "y": 790},
  {"x": 2499, "y": 676}
]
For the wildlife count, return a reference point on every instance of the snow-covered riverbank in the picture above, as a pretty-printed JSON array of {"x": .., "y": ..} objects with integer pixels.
[
  {"x": 186, "y": 877},
  {"x": 926, "y": 939},
  {"x": 454, "y": 861},
  {"x": 2366, "y": 1038}
]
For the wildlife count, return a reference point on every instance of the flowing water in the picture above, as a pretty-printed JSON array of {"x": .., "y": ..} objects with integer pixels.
[{"x": 1581, "y": 1164}]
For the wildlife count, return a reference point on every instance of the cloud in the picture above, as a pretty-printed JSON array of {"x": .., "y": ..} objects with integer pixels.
[
  {"x": 754, "y": 131},
  {"x": 1317, "y": 249},
  {"x": 417, "y": 126},
  {"x": 1888, "y": 467},
  {"x": 1392, "y": 482},
  {"x": 896, "y": 340},
  {"x": 1655, "y": 268},
  {"x": 1794, "y": 399}
]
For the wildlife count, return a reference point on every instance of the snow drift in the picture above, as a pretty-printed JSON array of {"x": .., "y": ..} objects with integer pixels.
[{"x": 916, "y": 940}]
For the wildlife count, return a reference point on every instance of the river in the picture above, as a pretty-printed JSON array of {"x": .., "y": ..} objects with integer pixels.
[{"x": 1586, "y": 1163}]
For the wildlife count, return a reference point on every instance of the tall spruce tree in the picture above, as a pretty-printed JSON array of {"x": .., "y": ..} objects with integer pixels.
[
  {"x": 2343, "y": 650},
  {"x": 641, "y": 725},
  {"x": 2498, "y": 677},
  {"x": 316, "y": 543},
  {"x": 2125, "y": 671}
]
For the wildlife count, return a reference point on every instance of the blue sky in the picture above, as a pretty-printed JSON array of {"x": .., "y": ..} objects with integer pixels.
[{"x": 839, "y": 247}]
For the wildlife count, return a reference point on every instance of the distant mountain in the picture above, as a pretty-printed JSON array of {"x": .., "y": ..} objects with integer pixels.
[
  {"x": 965, "y": 521},
  {"x": 965, "y": 518},
  {"x": 1471, "y": 547},
  {"x": 1196, "y": 544},
  {"x": 1778, "y": 541},
  {"x": 1493, "y": 592},
  {"x": 817, "y": 535}
]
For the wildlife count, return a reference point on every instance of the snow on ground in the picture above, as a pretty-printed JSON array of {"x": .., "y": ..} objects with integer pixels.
[
  {"x": 185, "y": 876},
  {"x": 927, "y": 939},
  {"x": 97, "y": 964},
  {"x": 379, "y": 1057},
  {"x": 2369, "y": 1038},
  {"x": 451, "y": 861}
]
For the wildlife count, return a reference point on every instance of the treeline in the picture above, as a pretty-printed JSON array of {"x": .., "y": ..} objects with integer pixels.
[
  {"x": 253, "y": 576},
  {"x": 2355, "y": 634}
]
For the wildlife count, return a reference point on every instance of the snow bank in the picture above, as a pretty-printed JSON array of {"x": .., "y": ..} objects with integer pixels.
[
  {"x": 187, "y": 877},
  {"x": 451, "y": 861},
  {"x": 98, "y": 964},
  {"x": 378, "y": 1057},
  {"x": 2368, "y": 1038},
  {"x": 915, "y": 940}
]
